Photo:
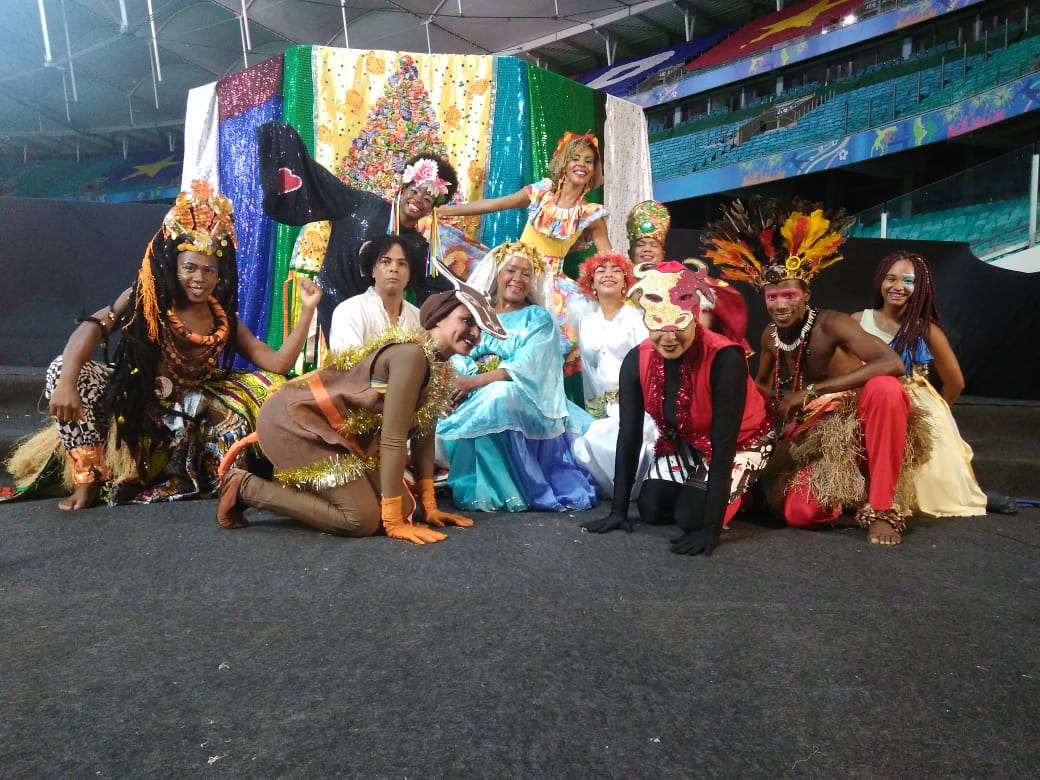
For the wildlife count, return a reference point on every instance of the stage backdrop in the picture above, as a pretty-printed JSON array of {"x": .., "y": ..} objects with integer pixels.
[
  {"x": 989, "y": 313},
  {"x": 363, "y": 113}
]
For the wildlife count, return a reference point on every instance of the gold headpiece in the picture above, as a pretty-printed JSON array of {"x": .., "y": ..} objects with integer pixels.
[
  {"x": 648, "y": 219},
  {"x": 670, "y": 293},
  {"x": 510, "y": 248},
  {"x": 203, "y": 218},
  {"x": 769, "y": 242}
]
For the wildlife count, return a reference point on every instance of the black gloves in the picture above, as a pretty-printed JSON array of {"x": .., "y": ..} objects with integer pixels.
[
  {"x": 611, "y": 522},
  {"x": 699, "y": 542}
]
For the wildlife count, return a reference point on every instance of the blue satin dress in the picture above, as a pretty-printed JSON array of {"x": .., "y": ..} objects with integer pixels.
[{"x": 509, "y": 443}]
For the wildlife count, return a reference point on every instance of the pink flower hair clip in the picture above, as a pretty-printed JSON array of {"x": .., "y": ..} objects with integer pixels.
[{"x": 425, "y": 173}]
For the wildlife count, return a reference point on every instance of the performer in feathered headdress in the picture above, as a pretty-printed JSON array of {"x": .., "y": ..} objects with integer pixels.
[
  {"x": 835, "y": 388},
  {"x": 170, "y": 400},
  {"x": 715, "y": 435}
]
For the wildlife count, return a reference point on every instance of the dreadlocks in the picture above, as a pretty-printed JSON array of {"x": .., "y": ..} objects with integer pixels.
[
  {"x": 156, "y": 292},
  {"x": 921, "y": 312}
]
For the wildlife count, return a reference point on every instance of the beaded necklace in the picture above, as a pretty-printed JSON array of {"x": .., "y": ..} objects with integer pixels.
[
  {"x": 809, "y": 320},
  {"x": 196, "y": 368},
  {"x": 802, "y": 345}
]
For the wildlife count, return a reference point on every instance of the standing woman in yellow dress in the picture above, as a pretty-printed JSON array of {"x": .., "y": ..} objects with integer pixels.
[{"x": 559, "y": 218}]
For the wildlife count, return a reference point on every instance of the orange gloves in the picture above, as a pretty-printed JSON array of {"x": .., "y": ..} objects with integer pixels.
[
  {"x": 434, "y": 516},
  {"x": 396, "y": 528}
]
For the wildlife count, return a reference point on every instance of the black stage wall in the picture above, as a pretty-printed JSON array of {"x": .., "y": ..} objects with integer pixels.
[
  {"x": 62, "y": 259},
  {"x": 992, "y": 315}
]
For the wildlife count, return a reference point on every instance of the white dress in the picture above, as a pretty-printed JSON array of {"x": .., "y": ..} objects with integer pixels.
[{"x": 603, "y": 344}]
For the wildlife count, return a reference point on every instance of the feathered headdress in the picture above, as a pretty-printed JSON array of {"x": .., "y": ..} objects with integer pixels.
[{"x": 768, "y": 242}]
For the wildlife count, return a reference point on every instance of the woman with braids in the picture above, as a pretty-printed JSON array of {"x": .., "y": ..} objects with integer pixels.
[
  {"x": 903, "y": 314},
  {"x": 154, "y": 424}
]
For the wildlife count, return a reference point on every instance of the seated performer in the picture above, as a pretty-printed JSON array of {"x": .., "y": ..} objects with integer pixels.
[
  {"x": 508, "y": 442},
  {"x": 175, "y": 403},
  {"x": 558, "y": 219},
  {"x": 715, "y": 434},
  {"x": 605, "y": 336},
  {"x": 386, "y": 262},
  {"x": 835, "y": 387},
  {"x": 904, "y": 315},
  {"x": 339, "y": 437},
  {"x": 298, "y": 190}
]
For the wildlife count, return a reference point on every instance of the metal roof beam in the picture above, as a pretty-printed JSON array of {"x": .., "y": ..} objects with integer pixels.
[{"x": 633, "y": 10}]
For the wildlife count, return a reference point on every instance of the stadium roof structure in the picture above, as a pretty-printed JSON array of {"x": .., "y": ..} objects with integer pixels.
[{"x": 103, "y": 76}]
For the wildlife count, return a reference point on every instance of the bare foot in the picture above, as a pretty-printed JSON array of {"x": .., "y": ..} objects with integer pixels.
[
  {"x": 82, "y": 497},
  {"x": 882, "y": 532}
]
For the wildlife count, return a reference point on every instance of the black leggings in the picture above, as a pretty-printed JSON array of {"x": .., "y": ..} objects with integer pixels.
[{"x": 662, "y": 502}]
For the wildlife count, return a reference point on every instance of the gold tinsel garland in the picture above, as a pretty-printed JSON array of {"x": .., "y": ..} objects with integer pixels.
[
  {"x": 329, "y": 472},
  {"x": 341, "y": 469}
]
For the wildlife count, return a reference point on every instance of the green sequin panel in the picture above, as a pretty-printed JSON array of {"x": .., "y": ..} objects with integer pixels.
[{"x": 298, "y": 111}]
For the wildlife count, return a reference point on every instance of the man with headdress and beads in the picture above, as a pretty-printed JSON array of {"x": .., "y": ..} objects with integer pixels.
[
  {"x": 838, "y": 399},
  {"x": 298, "y": 190},
  {"x": 154, "y": 424},
  {"x": 715, "y": 436}
]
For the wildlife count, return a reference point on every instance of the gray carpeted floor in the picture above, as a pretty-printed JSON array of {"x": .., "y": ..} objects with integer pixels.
[{"x": 146, "y": 641}]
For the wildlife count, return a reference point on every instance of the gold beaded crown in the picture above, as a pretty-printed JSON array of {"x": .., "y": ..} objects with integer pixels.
[
  {"x": 204, "y": 218},
  {"x": 503, "y": 252},
  {"x": 769, "y": 242},
  {"x": 648, "y": 219}
]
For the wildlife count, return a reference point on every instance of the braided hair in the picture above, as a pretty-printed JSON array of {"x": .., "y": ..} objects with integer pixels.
[
  {"x": 156, "y": 291},
  {"x": 921, "y": 312}
]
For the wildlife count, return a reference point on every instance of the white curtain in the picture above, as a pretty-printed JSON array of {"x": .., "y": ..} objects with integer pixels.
[
  {"x": 626, "y": 166},
  {"x": 201, "y": 138}
]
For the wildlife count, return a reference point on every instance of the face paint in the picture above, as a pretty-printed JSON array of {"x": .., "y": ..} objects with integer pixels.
[
  {"x": 788, "y": 296},
  {"x": 908, "y": 282}
]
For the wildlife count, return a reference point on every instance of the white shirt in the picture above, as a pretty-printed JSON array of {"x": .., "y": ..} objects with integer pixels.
[{"x": 363, "y": 317}]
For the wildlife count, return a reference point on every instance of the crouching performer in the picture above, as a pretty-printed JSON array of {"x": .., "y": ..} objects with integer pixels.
[
  {"x": 154, "y": 425},
  {"x": 339, "y": 437},
  {"x": 715, "y": 436},
  {"x": 847, "y": 420}
]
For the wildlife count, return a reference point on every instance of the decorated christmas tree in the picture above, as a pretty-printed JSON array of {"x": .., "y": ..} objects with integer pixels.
[{"x": 402, "y": 123}]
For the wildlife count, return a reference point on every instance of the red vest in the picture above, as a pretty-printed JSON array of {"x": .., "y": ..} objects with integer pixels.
[{"x": 698, "y": 359}]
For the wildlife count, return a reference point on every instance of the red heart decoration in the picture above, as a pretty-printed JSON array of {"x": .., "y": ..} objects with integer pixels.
[{"x": 288, "y": 181}]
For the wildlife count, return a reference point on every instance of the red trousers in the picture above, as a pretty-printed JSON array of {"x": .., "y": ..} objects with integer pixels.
[{"x": 882, "y": 409}]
